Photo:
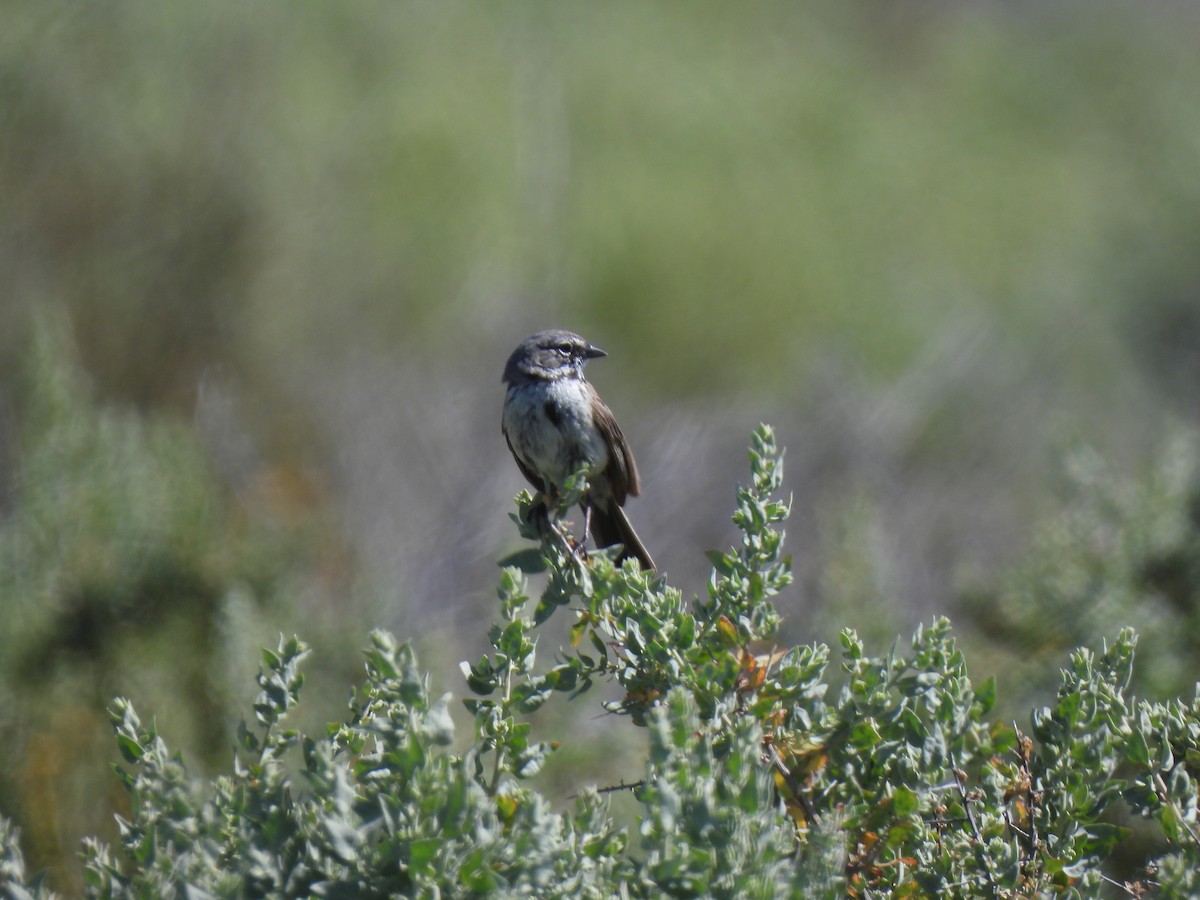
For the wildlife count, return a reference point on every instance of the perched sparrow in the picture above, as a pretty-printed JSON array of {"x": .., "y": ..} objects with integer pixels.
[{"x": 554, "y": 421}]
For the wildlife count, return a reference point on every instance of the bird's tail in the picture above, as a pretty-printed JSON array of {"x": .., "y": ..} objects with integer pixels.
[{"x": 610, "y": 526}]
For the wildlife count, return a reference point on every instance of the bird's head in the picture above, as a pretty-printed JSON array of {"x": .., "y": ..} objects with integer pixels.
[{"x": 550, "y": 355}]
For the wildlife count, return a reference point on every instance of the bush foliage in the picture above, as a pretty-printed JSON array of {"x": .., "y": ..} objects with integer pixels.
[
  {"x": 766, "y": 775},
  {"x": 1118, "y": 549}
]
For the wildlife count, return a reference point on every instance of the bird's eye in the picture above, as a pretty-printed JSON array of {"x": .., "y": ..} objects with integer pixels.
[{"x": 564, "y": 349}]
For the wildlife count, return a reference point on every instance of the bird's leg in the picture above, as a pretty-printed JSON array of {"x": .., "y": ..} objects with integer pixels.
[{"x": 587, "y": 527}]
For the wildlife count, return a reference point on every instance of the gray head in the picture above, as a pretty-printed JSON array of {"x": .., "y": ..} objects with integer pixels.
[{"x": 549, "y": 355}]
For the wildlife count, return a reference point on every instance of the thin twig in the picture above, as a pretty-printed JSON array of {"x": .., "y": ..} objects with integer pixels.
[
  {"x": 1026, "y": 745},
  {"x": 1123, "y": 885},
  {"x": 633, "y": 786},
  {"x": 1015, "y": 827},
  {"x": 960, "y": 778}
]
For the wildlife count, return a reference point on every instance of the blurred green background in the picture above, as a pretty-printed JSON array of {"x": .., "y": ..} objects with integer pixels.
[{"x": 261, "y": 265}]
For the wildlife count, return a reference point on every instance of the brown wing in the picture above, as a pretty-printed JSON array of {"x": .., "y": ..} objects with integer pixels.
[
  {"x": 621, "y": 472},
  {"x": 531, "y": 475}
]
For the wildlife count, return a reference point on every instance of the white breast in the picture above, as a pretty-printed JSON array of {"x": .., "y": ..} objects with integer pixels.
[{"x": 554, "y": 449}]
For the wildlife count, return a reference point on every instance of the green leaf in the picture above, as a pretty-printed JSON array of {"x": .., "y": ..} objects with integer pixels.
[
  {"x": 481, "y": 678},
  {"x": 600, "y": 646},
  {"x": 512, "y": 640},
  {"x": 685, "y": 635},
  {"x": 476, "y": 877},
  {"x": 1003, "y": 736},
  {"x": 1166, "y": 759},
  {"x": 1172, "y": 824},
  {"x": 1136, "y": 749},
  {"x": 578, "y": 629},
  {"x": 722, "y": 563},
  {"x": 530, "y": 761},
  {"x": 852, "y": 647},
  {"x": 905, "y": 802},
  {"x": 421, "y": 854},
  {"x": 728, "y": 631},
  {"x": 531, "y": 694},
  {"x": 343, "y": 839},
  {"x": 130, "y": 749},
  {"x": 985, "y": 695},
  {"x": 438, "y": 723},
  {"x": 865, "y": 734},
  {"x": 563, "y": 677}
]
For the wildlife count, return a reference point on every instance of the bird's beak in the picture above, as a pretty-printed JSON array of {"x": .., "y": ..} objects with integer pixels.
[{"x": 594, "y": 352}]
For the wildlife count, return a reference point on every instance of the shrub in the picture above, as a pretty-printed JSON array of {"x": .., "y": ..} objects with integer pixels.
[{"x": 760, "y": 779}]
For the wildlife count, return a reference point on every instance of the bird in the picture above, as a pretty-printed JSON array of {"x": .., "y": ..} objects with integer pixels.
[{"x": 554, "y": 421}]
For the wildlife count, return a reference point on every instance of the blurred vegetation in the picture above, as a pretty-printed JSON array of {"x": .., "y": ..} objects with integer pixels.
[
  {"x": 262, "y": 184},
  {"x": 291, "y": 245},
  {"x": 126, "y": 567},
  {"x": 1119, "y": 550}
]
